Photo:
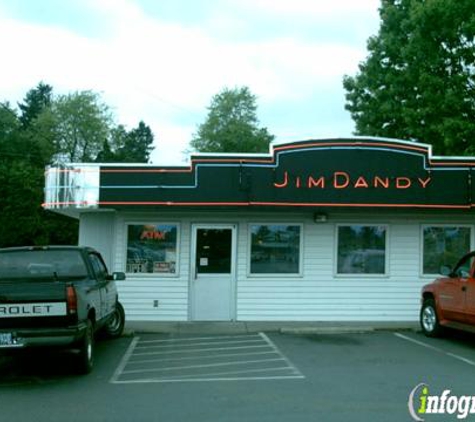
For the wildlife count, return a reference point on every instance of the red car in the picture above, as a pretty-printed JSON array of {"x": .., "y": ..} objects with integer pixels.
[{"x": 449, "y": 301}]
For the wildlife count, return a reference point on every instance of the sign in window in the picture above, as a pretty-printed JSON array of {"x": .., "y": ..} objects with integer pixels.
[{"x": 152, "y": 248}]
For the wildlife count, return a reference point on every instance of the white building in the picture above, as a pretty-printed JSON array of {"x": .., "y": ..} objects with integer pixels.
[{"x": 320, "y": 230}]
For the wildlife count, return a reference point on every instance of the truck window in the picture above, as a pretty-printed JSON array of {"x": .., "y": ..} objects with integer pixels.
[
  {"x": 99, "y": 268},
  {"x": 40, "y": 264}
]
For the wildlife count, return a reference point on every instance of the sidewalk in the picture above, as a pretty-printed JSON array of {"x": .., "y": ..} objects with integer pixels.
[{"x": 246, "y": 327}]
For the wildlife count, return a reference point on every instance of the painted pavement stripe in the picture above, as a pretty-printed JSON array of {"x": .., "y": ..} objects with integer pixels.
[
  {"x": 221, "y": 355},
  {"x": 271, "y": 344},
  {"x": 198, "y": 367},
  {"x": 168, "y": 346},
  {"x": 171, "y": 352},
  {"x": 185, "y": 339},
  {"x": 207, "y": 365},
  {"x": 125, "y": 359},
  {"x": 213, "y": 376},
  {"x": 437, "y": 349}
]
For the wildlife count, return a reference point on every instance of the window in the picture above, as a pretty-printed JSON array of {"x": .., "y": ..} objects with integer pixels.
[
  {"x": 99, "y": 268},
  {"x": 443, "y": 246},
  {"x": 275, "y": 249},
  {"x": 152, "y": 248},
  {"x": 361, "y": 249},
  {"x": 213, "y": 250}
]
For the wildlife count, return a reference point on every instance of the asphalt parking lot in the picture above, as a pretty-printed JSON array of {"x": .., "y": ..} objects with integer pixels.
[{"x": 256, "y": 377}]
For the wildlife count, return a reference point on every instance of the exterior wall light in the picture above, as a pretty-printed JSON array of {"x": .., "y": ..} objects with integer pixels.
[{"x": 320, "y": 217}]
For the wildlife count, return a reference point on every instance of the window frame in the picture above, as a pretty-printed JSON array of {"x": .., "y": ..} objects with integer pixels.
[
  {"x": 298, "y": 274},
  {"x": 421, "y": 245},
  {"x": 387, "y": 271},
  {"x": 176, "y": 274}
]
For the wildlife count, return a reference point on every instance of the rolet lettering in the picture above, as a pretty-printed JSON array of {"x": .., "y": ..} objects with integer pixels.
[{"x": 24, "y": 309}]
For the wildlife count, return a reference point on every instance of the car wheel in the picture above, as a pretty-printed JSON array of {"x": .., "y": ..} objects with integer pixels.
[
  {"x": 429, "y": 320},
  {"x": 115, "y": 326},
  {"x": 86, "y": 350}
]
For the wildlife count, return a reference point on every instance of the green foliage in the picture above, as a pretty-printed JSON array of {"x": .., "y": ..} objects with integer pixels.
[
  {"x": 232, "y": 125},
  {"x": 82, "y": 123},
  {"x": 36, "y": 101},
  {"x": 133, "y": 146},
  {"x": 418, "y": 81},
  {"x": 45, "y": 130}
]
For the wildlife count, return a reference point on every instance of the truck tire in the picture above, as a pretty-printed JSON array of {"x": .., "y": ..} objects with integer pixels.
[
  {"x": 429, "y": 319},
  {"x": 115, "y": 326},
  {"x": 86, "y": 350}
]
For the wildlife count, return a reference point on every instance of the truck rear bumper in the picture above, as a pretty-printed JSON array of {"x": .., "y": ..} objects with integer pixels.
[{"x": 40, "y": 337}]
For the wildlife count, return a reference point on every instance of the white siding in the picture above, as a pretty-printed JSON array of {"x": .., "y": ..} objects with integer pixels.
[
  {"x": 317, "y": 295},
  {"x": 97, "y": 231}
]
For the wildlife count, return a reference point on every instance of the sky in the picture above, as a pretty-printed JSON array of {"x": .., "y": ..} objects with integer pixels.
[{"x": 161, "y": 61}]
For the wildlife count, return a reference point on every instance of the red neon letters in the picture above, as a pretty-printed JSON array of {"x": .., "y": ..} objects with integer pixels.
[{"x": 343, "y": 180}]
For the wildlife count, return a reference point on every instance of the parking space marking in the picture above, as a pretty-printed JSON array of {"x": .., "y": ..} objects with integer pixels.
[
  {"x": 437, "y": 349},
  {"x": 192, "y": 359},
  {"x": 124, "y": 359}
]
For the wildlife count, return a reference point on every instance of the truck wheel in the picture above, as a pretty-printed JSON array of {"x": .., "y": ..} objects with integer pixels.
[
  {"x": 115, "y": 326},
  {"x": 429, "y": 320},
  {"x": 86, "y": 350}
]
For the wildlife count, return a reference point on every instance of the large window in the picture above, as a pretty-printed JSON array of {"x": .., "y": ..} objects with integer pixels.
[
  {"x": 152, "y": 248},
  {"x": 361, "y": 249},
  {"x": 443, "y": 246},
  {"x": 275, "y": 249}
]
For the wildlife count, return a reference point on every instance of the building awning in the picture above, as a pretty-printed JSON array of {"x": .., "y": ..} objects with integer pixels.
[{"x": 326, "y": 173}]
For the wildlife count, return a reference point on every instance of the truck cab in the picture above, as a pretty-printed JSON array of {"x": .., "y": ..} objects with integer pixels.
[{"x": 449, "y": 301}]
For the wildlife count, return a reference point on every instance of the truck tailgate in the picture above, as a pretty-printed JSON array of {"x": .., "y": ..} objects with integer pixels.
[{"x": 32, "y": 304}]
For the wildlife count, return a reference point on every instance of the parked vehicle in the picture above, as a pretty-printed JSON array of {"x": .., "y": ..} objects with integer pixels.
[
  {"x": 57, "y": 296},
  {"x": 449, "y": 301}
]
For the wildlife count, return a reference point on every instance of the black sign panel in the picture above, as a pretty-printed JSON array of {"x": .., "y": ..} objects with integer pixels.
[{"x": 326, "y": 173}]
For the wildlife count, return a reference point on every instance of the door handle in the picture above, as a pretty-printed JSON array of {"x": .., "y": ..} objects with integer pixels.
[{"x": 464, "y": 288}]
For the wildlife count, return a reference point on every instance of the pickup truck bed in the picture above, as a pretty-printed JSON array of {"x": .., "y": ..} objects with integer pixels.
[{"x": 57, "y": 296}]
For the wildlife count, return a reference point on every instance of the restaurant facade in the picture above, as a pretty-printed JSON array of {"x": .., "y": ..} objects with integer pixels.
[{"x": 345, "y": 229}]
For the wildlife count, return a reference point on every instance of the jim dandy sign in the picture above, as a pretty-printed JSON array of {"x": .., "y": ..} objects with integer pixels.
[
  {"x": 344, "y": 180},
  {"x": 324, "y": 173}
]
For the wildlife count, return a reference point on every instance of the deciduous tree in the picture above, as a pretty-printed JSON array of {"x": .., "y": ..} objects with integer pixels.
[
  {"x": 418, "y": 81},
  {"x": 232, "y": 125}
]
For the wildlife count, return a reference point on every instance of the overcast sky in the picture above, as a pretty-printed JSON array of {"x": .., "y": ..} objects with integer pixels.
[{"x": 161, "y": 61}]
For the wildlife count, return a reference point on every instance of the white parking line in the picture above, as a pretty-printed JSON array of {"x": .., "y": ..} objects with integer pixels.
[
  {"x": 437, "y": 349},
  {"x": 221, "y": 355},
  {"x": 168, "y": 346},
  {"x": 209, "y": 365},
  {"x": 219, "y": 376},
  {"x": 186, "y": 339},
  {"x": 233, "y": 358},
  {"x": 209, "y": 349},
  {"x": 273, "y": 346},
  {"x": 124, "y": 360}
]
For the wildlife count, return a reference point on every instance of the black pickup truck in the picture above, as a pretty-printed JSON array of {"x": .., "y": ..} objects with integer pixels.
[{"x": 57, "y": 296}]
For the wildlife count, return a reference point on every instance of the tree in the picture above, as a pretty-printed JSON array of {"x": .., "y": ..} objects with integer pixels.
[
  {"x": 418, "y": 81},
  {"x": 232, "y": 125},
  {"x": 49, "y": 129},
  {"x": 22, "y": 220},
  {"x": 82, "y": 124},
  {"x": 36, "y": 101},
  {"x": 134, "y": 146}
]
